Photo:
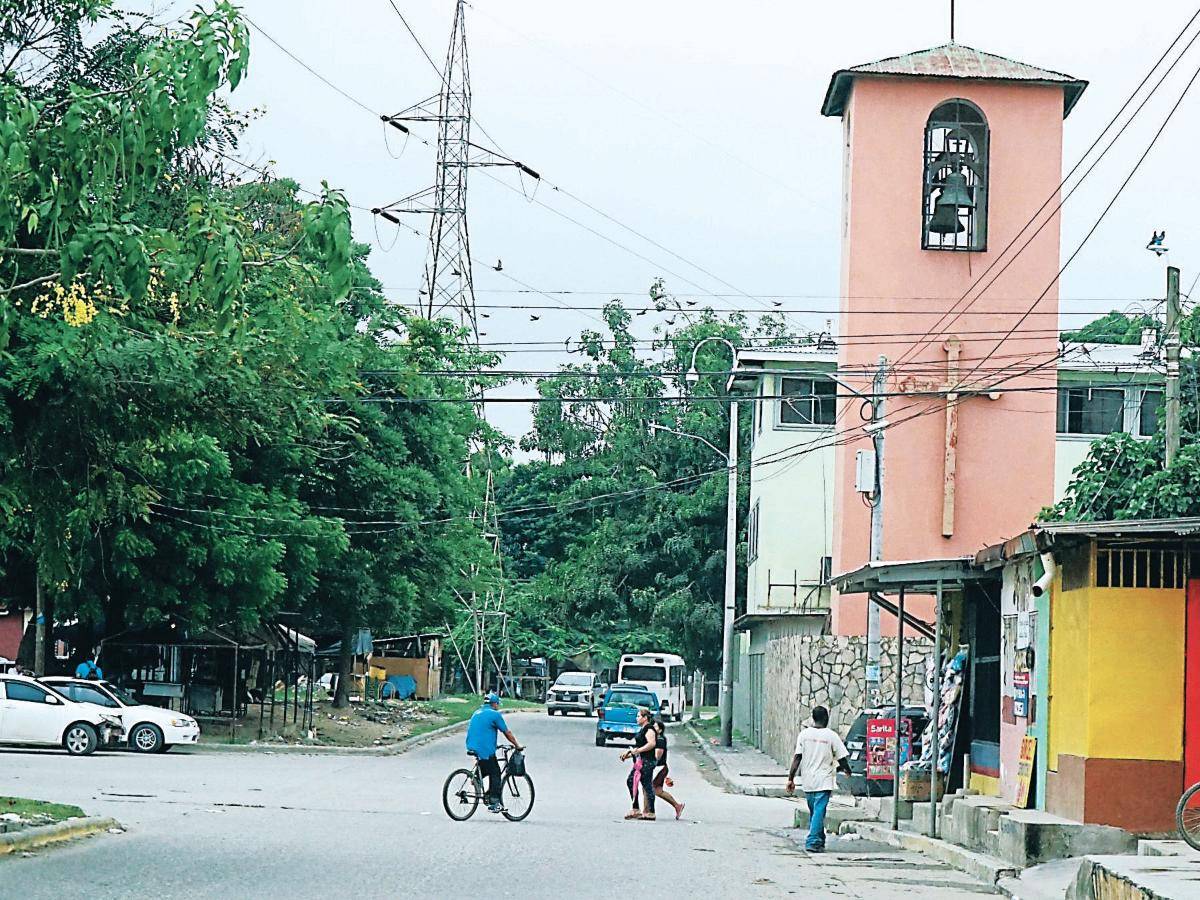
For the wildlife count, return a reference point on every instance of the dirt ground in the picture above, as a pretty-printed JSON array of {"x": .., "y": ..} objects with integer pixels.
[{"x": 362, "y": 724}]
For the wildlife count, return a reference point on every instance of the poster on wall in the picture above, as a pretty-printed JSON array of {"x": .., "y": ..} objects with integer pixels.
[
  {"x": 948, "y": 715},
  {"x": 881, "y": 747},
  {"x": 1025, "y": 770},
  {"x": 1020, "y": 706}
]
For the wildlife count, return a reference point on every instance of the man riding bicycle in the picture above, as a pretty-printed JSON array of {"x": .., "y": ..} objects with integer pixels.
[{"x": 485, "y": 725}]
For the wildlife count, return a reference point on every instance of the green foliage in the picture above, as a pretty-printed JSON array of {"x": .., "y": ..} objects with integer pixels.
[
  {"x": 187, "y": 422},
  {"x": 1114, "y": 328},
  {"x": 616, "y": 535}
]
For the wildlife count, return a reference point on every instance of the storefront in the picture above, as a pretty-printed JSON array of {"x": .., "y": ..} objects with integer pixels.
[{"x": 1096, "y": 671}]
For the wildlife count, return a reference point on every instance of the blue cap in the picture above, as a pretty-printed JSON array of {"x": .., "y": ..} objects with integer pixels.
[{"x": 491, "y": 698}]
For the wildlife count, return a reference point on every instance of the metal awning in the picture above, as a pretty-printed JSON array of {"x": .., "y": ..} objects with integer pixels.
[{"x": 913, "y": 576}]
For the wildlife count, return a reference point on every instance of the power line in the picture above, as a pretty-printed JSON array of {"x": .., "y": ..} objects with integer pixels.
[
  {"x": 1104, "y": 212},
  {"x": 1056, "y": 192}
]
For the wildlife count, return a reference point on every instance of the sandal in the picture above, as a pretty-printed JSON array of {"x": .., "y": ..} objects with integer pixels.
[
  {"x": 648, "y": 817},
  {"x": 633, "y": 815},
  {"x": 679, "y": 811}
]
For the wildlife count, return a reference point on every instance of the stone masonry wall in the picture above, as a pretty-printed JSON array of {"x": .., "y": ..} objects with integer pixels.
[{"x": 803, "y": 671}]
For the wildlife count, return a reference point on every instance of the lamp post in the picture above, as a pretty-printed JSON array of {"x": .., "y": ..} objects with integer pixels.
[{"x": 731, "y": 462}]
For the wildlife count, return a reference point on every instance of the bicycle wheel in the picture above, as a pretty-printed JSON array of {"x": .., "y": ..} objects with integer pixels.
[
  {"x": 460, "y": 795},
  {"x": 516, "y": 793},
  {"x": 1187, "y": 816}
]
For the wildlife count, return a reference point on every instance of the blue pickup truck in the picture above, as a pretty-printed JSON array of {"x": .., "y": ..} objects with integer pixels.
[{"x": 617, "y": 715}]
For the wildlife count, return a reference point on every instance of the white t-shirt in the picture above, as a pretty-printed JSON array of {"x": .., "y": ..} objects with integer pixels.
[{"x": 819, "y": 750}]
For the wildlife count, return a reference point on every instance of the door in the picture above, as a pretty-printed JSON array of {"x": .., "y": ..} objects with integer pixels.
[
  {"x": 1191, "y": 687},
  {"x": 29, "y": 718}
]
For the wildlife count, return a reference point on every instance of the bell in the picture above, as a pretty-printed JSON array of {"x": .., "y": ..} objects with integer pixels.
[{"x": 955, "y": 194}]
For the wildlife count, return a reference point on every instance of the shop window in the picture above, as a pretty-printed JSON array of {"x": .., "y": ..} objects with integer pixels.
[
  {"x": 807, "y": 401},
  {"x": 954, "y": 210},
  {"x": 1085, "y": 410},
  {"x": 1137, "y": 568}
]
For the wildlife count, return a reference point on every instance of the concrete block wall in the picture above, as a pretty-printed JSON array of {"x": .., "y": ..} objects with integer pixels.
[{"x": 802, "y": 671}]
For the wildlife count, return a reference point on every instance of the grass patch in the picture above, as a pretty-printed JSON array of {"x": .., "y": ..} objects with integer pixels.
[
  {"x": 460, "y": 707},
  {"x": 39, "y": 811}
]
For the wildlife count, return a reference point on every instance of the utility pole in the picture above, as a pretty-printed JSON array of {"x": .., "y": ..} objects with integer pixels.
[
  {"x": 1172, "y": 344},
  {"x": 726, "y": 707},
  {"x": 874, "y": 689}
]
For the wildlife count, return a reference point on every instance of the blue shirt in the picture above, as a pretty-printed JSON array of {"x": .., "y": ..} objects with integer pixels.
[
  {"x": 88, "y": 670},
  {"x": 486, "y": 724}
]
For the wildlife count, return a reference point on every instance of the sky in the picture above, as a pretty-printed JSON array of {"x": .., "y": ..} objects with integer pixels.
[{"x": 697, "y": 125}]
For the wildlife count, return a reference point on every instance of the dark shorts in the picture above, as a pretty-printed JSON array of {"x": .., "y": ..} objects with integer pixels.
[{"x": 660, "y": 777}]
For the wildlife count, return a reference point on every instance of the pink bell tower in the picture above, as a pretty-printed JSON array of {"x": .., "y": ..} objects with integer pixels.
[{"x": 949, "y": 153}]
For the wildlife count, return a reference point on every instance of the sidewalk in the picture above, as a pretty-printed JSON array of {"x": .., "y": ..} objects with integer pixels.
[{"x": 744, "y": 769}]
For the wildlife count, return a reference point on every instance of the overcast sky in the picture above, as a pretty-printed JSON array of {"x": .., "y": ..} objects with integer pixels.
[{"x": 697, "y": 124}]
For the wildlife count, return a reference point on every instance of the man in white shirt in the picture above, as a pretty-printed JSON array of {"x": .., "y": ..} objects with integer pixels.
[{"x": 819, "y": 755}]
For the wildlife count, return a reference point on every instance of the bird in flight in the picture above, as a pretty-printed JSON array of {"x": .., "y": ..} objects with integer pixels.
[
  {"x": 777, "y": 302},
  {"x": 1157, "y": 244},
  {"x": 499, "y": 266},
  {"x": 642, "y": 312},
  {"x": 533, "y": 318}
]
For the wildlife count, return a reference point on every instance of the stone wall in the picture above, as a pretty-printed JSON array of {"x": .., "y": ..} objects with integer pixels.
[{"x": 803, "y": 671}]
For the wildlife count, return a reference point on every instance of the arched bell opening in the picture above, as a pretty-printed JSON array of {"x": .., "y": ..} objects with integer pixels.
[{"x": 954, "y": 205}]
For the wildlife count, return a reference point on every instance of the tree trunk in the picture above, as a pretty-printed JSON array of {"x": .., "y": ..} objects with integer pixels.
[{"x": 341, "y": 697}]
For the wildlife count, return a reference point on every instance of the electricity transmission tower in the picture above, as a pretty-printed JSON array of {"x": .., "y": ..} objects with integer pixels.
[
  {"x": 448, "y": 282},
  {"x": 448, "y": 287}
]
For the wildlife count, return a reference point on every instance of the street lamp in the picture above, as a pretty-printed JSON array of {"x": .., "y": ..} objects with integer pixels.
[{"x": 692, "y": 376}]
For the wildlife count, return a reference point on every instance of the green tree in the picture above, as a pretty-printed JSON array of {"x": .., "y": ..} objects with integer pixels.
[{"x": 616, "y": 534}]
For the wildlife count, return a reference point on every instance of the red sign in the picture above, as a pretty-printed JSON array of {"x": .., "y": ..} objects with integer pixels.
[{"x": 881, "y": 747}]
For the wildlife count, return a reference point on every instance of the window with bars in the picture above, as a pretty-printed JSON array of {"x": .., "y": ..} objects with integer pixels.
[
  {"x": 807, "y": 401},
  {"x": 1085, "y": 410},
  {"x": 1140, "y": 568},
  {"x": 955, "y": 196}
]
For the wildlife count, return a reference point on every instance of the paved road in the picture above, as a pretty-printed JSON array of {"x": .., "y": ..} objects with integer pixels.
[{"x": 284, "y": 825}]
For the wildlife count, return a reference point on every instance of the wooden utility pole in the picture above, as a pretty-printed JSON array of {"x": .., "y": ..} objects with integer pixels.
[{"x": 1172, "y": 345}]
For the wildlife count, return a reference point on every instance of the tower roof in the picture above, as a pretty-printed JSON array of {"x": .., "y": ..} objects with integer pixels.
[{"x": 949, "y": 61}]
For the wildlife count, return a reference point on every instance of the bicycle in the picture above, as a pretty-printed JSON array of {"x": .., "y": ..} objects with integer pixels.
[
  {"x": 1187, "y": 816},
  {"x": 464, "y": 789}
]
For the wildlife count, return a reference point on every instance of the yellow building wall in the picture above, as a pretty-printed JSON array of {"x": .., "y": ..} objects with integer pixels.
[
  {"x": 1069, "y": 659},
  {"x": 1135, "y": 708}
]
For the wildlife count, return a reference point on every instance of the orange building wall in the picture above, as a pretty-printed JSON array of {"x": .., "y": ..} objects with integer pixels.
[{"x": 1005, "y": 470}]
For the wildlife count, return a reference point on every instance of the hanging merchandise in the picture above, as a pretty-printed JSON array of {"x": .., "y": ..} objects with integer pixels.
[{"x": 948, "y": 715}]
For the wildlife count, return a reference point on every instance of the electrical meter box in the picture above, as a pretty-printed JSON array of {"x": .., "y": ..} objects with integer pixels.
[{"x": 864, "y": 471}]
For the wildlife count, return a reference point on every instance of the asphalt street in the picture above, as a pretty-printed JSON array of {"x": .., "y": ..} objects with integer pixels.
[{"x": 205, "y": 824}]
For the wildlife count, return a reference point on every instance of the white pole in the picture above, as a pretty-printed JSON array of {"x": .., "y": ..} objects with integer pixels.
[
  {"x": 874, "y": 691},
  {"x": 726, "y": 699}
]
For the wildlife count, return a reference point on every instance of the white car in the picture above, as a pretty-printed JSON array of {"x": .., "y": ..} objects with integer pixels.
[
  {"x": 147, "y": 729},
  {"x": 575, "y": 691},
  {"x": 36, "y": 714}
]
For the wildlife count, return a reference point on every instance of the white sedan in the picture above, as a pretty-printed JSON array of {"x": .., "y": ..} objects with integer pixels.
[
  {"x": 35, "y": 714},
  {"x": 147, "y": 729}
]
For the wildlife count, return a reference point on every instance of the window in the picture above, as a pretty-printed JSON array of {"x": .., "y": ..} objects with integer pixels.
[
  {"x": 954, "y": 210},
  {"x": 1139, "y": 569},
  {"x": 1090, "y": 410},
  {"x": 676, "y": 676},
  {"x": 1152, "y": 402},
  {"x": 655, "y": 674},
  {"x": 807, "y": 401},
  {"x": 629, "y": 698},
  {"x": 19, "y": 690},
  {"x": 575, "y": 679},
  {"x": 87, "y": 694},
  {"x": 752, "y": 533}
]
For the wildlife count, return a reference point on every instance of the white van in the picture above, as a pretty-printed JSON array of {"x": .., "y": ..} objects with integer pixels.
[{"x": 662, "y": 673}]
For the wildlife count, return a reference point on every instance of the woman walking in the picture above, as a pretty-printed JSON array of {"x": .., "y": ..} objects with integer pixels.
[
  {"x": 661, "y": 770},
  {"x": 642, "y": 774}
]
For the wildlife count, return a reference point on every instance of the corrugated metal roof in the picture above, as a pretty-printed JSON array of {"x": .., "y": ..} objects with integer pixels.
[
  {"x": 1128, "y": 527},
  {"x": 950, "y": 61}
]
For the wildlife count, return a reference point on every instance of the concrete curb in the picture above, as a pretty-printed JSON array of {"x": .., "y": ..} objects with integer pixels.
[
  {"x": 979, "y": 866},
  {"x": 731, "y": 786},
  {"x": 401, "y": 746},
  {"x": 27, "y": 838}
]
